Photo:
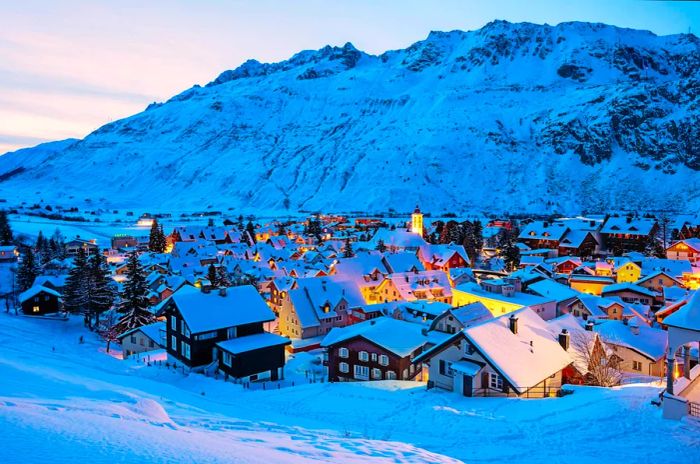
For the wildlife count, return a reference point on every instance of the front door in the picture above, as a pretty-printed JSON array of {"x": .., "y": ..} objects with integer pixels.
[{"x": 466, "y": 385}]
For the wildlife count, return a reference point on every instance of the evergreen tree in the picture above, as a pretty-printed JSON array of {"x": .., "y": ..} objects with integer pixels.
[
  {"x": 210, "y": 223},
  {"x": 135, "y": 294},
  {"x": 43, "y": 249},
  {"x": 156, "y": 238},
  {"x": 250, "y": 228},
  {"x": 381, "y": 247},
  {"x": 100, "y": 290},
  {"x": 6, "y": 237},
  {"x": 347, "y": 249},
  {"x": 27, "y": 270},
  {"x": 239, "y": 223},
  {"x": 75, "y": 293},
  {"x": 213, "y": 276},
  {"x": 57, "y": 245},
  {"x": 654, "y": 247}
]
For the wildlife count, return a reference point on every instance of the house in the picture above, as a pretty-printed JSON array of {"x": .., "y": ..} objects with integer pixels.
[
  {"x": 8, "y": 254},
  {"x": 443, "y": 257},
  {"x": 316, "y": 306},
  {"x": 54, "y": 282},
  {"x": 627, "y": 271},
  {"x": 453, "y": 320},
  {"x": 512, "y": 355},
  {"x": 587, "y": 351},
  {"x": 548, "y": 288},
  {"x": 685, "y": 250},
  {"x": 543, "y": 234},
  {"x": 502, "y": 296},
  {"x": 367, "y": 270},
  {"x": 627, "y": 233},
  {"x": 377, "y": 349},
  {"x": 658, "y": 281},
  {"x": 224, "y": 328},
  {"x": 278, "y": 289},
  {"x": 591, "y": 284},
  {"x": 405, "y": 261},
  {"x": 39, "y": 300},
  {"x": 578, "y": 243},
  {"x": 142, "y": 339},
  {"x": 120, "y": 241},
  {"x": 396, "y": 240},
  {"x": 638, "y": 348},
  {"x": 89, "y": 246},
  {"x": 630, "y": 293},
  {"x": 589, "y": 306},
  {"x": 412, "y": 286}
]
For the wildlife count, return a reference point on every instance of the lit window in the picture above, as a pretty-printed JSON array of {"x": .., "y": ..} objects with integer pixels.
[{"x": 35, "y": 309}]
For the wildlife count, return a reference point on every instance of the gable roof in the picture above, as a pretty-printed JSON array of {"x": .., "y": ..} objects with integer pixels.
[
  {"x": 312, "y": 294},
  {"x": 687, "y": 317},
  {"x": 35, "y": 290},
  {"x": 621, "y": 225},
  {"x": 211, "y": 311},
  {"x": 400, "y": 337},
  {"x": 543, "y": 230},
  {"x": 628, "y": 287},
  {"x": 650, "y": 342}
]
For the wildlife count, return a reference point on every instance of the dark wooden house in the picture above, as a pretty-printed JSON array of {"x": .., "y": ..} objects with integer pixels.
[
  {"x": 225, "y": 327},
  {"x": 39, "y": 300}
]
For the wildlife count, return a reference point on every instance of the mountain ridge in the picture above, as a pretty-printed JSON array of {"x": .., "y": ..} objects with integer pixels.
[{"x": 572, "y": 117}]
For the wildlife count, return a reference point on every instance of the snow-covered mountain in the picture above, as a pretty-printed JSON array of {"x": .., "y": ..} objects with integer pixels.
[{"x": 511, "y": 117}]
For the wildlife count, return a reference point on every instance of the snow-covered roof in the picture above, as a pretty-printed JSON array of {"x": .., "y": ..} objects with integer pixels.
[
  {"x": 524, "y": 358},
  {"x": 543, "y": 230},
  {"x": 674, "y": 267},
  {"x": 440, "y": 254},
  {"x": 552, "y": 289},
  {"x": 313, "y": 294},
  {"x": 524, "y": 299},
  {"x": 210, "y": 311},
  {"x": 628, "y": 287},
  {"x": 574, "y": 238},
  {"x": 465, "y": 367},
  {"x": 403, "y": 261},
  {"x": 648, "y": 341},
  {"x": 398, "y": 238},
  {"x": 35, "y": 290},
  {"x": 400, "y": 337},
  {"x": 693, "y": 243},
  {"x": 687, "y": 317},
  {"x": 623, "y": 225},
  {"x": 253, "y": 342},
  {"x": 154, "y": 331},
  {"x": 471, "y": 314},
  {"x": 423, "y": 285}
]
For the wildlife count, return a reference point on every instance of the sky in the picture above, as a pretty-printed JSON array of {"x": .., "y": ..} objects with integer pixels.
[{"x": 67, "y": 67}]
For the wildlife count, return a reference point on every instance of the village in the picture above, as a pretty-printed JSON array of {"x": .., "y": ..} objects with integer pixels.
[{"x": 500, "y": 307}]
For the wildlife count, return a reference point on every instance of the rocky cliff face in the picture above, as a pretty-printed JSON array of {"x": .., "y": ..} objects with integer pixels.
[{"x": 510, "y": 117}]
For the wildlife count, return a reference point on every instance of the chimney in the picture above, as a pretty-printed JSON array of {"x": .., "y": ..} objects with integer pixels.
[
  {"x": 564, "y": 339},
  {"x": 634, "y": 327},
  {"x": 589, "y": 326},
  {"x": 513, "y": 323},
  {"x": 222, "y": 291}
]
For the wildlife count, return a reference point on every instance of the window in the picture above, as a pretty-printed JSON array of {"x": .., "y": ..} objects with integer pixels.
[
  {"x": 495, "y": 382},
  {"x": 637, "y": 366},
  {"x": 384, "y": 360},
  {"x": 35, "y": 309},
  {"x": 376, "y": 374},
  {"x": 405, "y": 374},
  {"x": 207, "y": 335},
  {"x": 344, "y": 367},
  {"x": 446, "y": 368},
  {"x": 173, "y": 323},
  {"x": 185, "y": 349},
  {"x": 226, "y": 358},
  {"x": 185, "y": 330},
  {"x": 133, "y": 339},
  {"x": 343, "y": 353},
  {"x": 364, "y": 356},
  {"x": 151, "y": 344},
  {"x": 390, "y": 375},
  {"x": 173, "y": 343},
  {"x": 36, "y": 299},
  {"x": 231, "y": 333},
  {"x": 361, "y": 372},
  {"x": 412, "y": 368},
  {"x": 374, "y": 357}
]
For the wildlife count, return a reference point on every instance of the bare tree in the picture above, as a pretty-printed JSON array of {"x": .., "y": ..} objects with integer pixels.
[{"x": 595, "y": 360}]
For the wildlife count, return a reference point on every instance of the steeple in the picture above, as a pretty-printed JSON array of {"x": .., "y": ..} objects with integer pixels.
[{"x": 417, "y": 222}]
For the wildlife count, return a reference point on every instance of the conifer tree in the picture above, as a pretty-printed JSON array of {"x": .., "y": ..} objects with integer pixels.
[
  {"x": 223, "y": 278},
  {"x": 381, "y": 247},
  {"x": 135, "y": 294},
  {"x": 57, "y": 245},
  {"x": 27, "y": 270},
  {"x": 101, "y": 292},
  {"x": 250, "y": 228},
  {"x": 6, "y": 237},
  {"x": 156, "y": 238},
  {"x": 213, "y": 276},
  {"x": 75, "y": 293},
  {"x": 347, "y": 249}
]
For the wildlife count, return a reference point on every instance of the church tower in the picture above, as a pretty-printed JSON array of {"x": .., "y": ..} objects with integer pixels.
[{"x": 417, "y": 222}]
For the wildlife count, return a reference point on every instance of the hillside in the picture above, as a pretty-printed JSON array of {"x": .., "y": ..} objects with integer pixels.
[
  {"x": 511, "y": 117},
  {"x": 85, "y": 406}
]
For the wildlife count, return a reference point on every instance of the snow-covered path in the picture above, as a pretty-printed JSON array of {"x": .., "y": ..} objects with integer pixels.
[{"x": 61, "y": 401}]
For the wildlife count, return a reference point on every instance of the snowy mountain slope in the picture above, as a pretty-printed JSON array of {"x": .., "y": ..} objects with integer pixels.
[
  {"x": 61, "y": 401},
  {"x": 515, "y": 117}
]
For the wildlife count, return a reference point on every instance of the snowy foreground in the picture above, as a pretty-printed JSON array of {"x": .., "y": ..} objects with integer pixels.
[{"x": 61, "y": 401}]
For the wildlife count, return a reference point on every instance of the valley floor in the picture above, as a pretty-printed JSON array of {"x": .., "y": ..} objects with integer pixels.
[{"x": 61, "y": 401}]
